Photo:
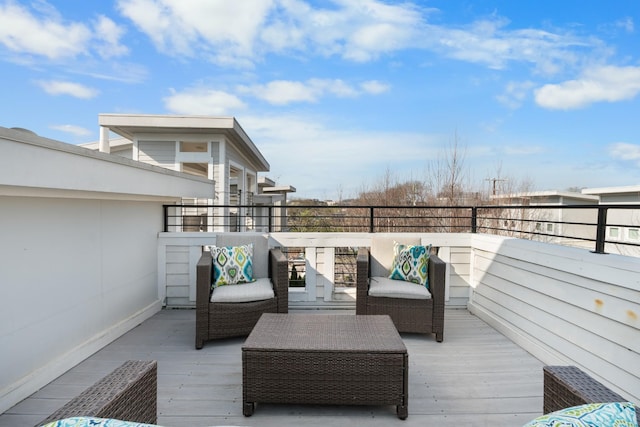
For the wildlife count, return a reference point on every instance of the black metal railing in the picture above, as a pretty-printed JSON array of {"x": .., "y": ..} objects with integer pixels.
[{"x": 577, "y": 225}]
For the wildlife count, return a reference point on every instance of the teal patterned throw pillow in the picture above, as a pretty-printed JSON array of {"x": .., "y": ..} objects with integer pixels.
[
  {"x": 411, "y": 263},
  {"x": 232, "y": 265},
  {"x": 95, "y": 422},
  {"x": 618, "y": 414}
]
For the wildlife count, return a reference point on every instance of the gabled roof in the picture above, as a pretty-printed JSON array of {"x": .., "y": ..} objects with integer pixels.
[{"x": 129, "y": 125}]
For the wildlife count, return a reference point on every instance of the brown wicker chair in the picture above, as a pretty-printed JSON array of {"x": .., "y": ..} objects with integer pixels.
[
  {"x": 566, "y": 386},
  {"x": 222, "y": 320},
  {"x": 129, "y": 393},
  {"x": 409, "y": 315}
]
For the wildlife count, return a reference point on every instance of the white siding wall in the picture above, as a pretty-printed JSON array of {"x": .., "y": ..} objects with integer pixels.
[
  {"x": 178, "y": 254},
  {"x": 159, "y": 153},
  {"x": 78, "y": 253},
  {"x": 74, "y": 275},
  {"x": 564, "y": 305}
]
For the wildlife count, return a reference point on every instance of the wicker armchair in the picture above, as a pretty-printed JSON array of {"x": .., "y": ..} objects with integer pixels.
[
  {"x": 409, "y": 315},
  {"x": 566, "y": 386},
  {"x": 231, "y": 319}
]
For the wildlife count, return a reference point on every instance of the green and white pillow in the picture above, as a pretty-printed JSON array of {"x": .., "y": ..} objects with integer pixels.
[
  {"x": 619, "y": 414},
  {"x": 411, "y": 264},
  {"x": 232, "y": 265}
]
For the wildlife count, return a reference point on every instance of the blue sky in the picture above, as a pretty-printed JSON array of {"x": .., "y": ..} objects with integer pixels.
[{"x": 338, "y": 94}]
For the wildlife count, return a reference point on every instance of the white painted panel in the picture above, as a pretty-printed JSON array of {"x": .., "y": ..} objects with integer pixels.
[
  {"x": 557, "y": 303},
  {"x": 86, "y": 268}
]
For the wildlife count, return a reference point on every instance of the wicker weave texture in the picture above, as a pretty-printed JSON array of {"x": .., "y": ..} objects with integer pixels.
[
  {"x": 566, "y": 386},
  {"x": 409, "y": 315},
  {"x": 222, "y": 320},
  {"x": 129, "y": 393},
  {"x": 325, "y": 359}
]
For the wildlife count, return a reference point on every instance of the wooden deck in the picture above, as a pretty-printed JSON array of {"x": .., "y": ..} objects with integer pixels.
[{"x": 476, "y": 377}]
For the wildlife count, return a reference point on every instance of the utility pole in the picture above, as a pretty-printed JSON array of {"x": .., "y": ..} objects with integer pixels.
[{"x": 494, "y": 180}]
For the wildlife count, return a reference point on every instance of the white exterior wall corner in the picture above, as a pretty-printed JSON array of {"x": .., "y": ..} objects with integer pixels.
[{"x": 79, "y": 254}]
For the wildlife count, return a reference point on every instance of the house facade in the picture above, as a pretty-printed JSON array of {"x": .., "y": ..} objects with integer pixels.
[{"x": 216, "y": 148}]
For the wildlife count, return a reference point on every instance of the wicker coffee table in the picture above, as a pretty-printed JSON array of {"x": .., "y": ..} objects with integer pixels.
[{"x": 324, "y": 359}]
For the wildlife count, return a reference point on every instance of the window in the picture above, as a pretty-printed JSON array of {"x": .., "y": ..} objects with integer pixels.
[
  {"x": 193, "y": 147},
  {"x": 549, "y": 228},
  {"x": 634, "y": 234},
  {"x": 614, "y": 232},
  {"x": 199, "y": 169}
]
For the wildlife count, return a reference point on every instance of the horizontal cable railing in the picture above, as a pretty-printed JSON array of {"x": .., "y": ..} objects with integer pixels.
[{"x": 595, "y": 227}]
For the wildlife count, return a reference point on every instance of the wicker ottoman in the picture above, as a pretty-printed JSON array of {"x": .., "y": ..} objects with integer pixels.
[{"x": 324, "y": 359}]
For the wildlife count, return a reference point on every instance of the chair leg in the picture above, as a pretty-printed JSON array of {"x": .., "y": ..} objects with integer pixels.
[{"x": 439, "y": 336}]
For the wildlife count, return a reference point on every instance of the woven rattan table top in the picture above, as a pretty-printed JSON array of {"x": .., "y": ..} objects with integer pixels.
[{"x": 325, "y": 333}]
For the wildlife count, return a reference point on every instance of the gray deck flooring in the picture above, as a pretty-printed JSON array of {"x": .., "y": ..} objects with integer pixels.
[{"x": 476, "y": 377}]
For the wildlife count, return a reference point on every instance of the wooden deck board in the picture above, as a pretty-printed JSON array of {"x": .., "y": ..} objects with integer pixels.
[{"x": 475, "y": 377}]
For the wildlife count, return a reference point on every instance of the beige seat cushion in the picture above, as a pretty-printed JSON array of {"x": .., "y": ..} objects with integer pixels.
[
  {"x": 261, "y": 289},
  {"x": 385, "y": 287}
]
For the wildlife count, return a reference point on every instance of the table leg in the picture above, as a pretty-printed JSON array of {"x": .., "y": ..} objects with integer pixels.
[
  {"x": 402, "y": 411},
  {"x": 248, "y": 408}
]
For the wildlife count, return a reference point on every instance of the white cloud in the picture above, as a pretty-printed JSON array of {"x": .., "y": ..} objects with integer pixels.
[
  {"x": 46, "y": 35},
  {"x": 283, "y": 92},
  {"x": 375, "y": 87},
  {"x": 490, "y": 42},
  {"x": 243, "y": 33},
  {"x": 109, "y": 33},
  {"x": 57, "y": 87},
  {"x": 226, "y": 30},
  {"x": 626, "y": 24},
  {"x": 74, "y": 130},
  {"x": 317, "y": 158},
  {"x": 515, "y": 93},
  {"x": 41, "y": 31},
  {"x": 625, "y": 151},
  {"x": 600, "y": 84},
  {"x": 202, "y": 101}
]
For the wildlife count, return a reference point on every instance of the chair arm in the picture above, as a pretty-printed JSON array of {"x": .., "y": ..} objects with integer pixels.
[
  {"x": 204, "y": 277},
  {"x": 566, "y": 386},
  {"x": 362, "y": 280},
  {"x": 128, "y": 393},
  {"x": 437, "y": 284},
  {"x": 437, "y": 278},
  {"x": 279, "y": 274}
]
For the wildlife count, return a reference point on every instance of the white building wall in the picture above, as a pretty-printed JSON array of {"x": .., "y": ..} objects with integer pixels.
[
  {"x": 566, "y": 306},
  {"x": 75, "y": 274},
  {"x": 159, "y": 153},
  {"x": 78, "y": 254}
]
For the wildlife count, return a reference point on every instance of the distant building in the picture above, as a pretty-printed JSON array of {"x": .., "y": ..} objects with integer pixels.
[
  {"x": 213, "y": 147},
  {"x": 561, "y": 226},
  {"x": 624, "y": 223}
]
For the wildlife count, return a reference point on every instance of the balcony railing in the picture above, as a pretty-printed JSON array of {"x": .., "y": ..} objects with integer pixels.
[{"x": 600, "y": 228}]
